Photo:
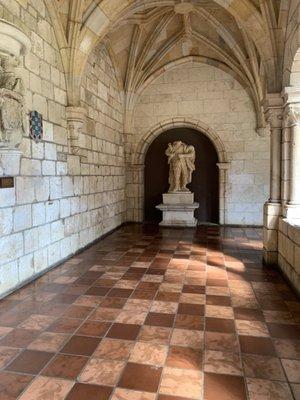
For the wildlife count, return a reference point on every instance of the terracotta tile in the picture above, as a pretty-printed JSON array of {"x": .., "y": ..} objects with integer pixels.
[
  {"x": 265, "y": 389},
  {"x": 190, "y": 322},
  {"x": 221, "y": 341},
  {"x": 140, "y": 377},
  {"x": 113, "y": 302},
  {"x": 124, "y": 331},
  {"x": 187, "y": 338},
  {"x": 12, "y": 385},
  {"x": 48, "y": 341},
  {"x": 125, "y": 394},
  {"x": 257, "y": 345},
  {"x": 160, "y": 319},
  {"x": 89, "y": 392},
  {"x": 221, "y": 362},
  {"x": 155, "y": 334},
  {"x": 47, "y": 388},
  {"x": 224, "y": 387},
  {"x": 81, "y": 345},
  {"x": 265, "y": 367},
  {"x": 218, "y": 300},
  {"x": 64, "y": 325},
  {"x": 219, "y": 325},
  {"x": 219, "y": 312},
  {"x": 37, "y": 322},
  {"x": 102, "y": 372},
  {"x": 251, "y": 328},
  {"x": 184, "y": 357},
  {"x": 138, "y": 305},
  {"x": 124, "y": 293},
  {"x": 248, "y": 314},
  {"x": 167, "y": 397},
  {"x": 180, "y": 382},
  {"x": 148, "y": 353},
  {"x": 292, "y": 370},
  {"x": 97, "y": 291},
  {"x": 114, "y": 349},
  {"x": 131, "y": 317},
  {"x": 192, "y": 298},
  {"x": 6, "y": 355},
  {"x": 93, "y": 328},
  {"x": 164, "y": 307},
  {"x": 80, "y": 312},
  {"x": 19, "y": 338},
  {"x": 287, "y": 348},
  {"x": 144, "y": 294},
  {"x": 193, "y": 289},
  {"x": 167, "y": 296},
  {"x": 65, "y": 366},
  {"x": 191, "y": 309},
  {"x": 105, "y": 314},
  {"x": 283, "y": 331},
  {"x": 30, "y": 362}
]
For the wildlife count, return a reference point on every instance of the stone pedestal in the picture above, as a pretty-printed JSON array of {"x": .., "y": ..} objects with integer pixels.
[{"x": 178, "y": 209}]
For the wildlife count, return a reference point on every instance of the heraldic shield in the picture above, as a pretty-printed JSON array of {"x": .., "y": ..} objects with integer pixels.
[
  {"x": 36, "y": 126},
  {"x": 11, "y": 118}
]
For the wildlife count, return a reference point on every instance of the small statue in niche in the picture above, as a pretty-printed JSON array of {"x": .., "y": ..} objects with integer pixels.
[
  {"x": 181, "y": 158},
  {"x": 8, "y": 77},
  {"x": 11, "y": 103}
]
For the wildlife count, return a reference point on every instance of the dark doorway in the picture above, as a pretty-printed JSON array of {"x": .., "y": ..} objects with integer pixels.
[{"x": 205, "y": 182}]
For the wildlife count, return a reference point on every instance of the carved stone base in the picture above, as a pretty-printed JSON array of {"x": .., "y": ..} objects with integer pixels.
[
  {"x": 10, "y": 162},
  {"x": 178, "y": 209}
]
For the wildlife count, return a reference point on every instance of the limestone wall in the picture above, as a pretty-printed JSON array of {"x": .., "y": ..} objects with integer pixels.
[
  {"x": 58, "y": 204},
  {"x": 289, "y": 251},
  {"x": 207, "y": 94}
]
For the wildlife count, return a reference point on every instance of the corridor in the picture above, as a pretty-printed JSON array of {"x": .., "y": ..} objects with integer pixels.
[{"x": 149, "y": 314}]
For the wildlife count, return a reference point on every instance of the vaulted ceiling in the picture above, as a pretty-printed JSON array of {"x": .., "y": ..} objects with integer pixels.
[{"x": 244, "y": 37}]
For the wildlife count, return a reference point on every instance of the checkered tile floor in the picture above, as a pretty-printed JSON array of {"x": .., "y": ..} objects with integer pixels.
[{"x": 150, "y": 314}]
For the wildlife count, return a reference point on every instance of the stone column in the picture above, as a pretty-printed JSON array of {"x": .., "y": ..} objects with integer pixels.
[
  {"x": 292, "y": 208},
  {"x": 223, "y": 176},
  {"x": 273, "y": 108}
]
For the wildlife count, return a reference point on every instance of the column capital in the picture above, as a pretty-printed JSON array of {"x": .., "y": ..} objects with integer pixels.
[{"x": 273, "y": 111}]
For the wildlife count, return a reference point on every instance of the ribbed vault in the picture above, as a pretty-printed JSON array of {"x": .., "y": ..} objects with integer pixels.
[{"x": 247, "y": 36}]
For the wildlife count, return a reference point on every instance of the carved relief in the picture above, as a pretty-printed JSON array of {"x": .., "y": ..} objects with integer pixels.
[
  {"x": 11, "y": 103},
  {"x": 76, "y": 120},
  {"x": 181, "y": 158}
]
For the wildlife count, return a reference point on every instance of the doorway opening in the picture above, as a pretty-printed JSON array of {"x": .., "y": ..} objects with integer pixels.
[{"x": 205, "y": 182}]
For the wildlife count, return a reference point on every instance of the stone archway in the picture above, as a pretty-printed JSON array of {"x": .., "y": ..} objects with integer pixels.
[{"x": 135, "y": 168}]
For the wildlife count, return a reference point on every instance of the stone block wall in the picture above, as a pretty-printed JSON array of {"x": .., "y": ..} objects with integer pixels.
[
  {"x": 213, "y": 97},
  {"x": 289, "y": 251},
  {"x": 60, "y": 203}
]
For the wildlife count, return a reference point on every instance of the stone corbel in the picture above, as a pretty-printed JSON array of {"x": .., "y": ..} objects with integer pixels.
[
  {"x": 76, "y": 120},
  {"x": 292, "y": 115},
  {"x": 13, "y": 44}
]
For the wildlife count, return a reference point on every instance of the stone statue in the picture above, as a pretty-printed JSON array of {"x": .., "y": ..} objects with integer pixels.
[
  {"x": 181, "y": 158},
  {"x": 11, "y": 103}
]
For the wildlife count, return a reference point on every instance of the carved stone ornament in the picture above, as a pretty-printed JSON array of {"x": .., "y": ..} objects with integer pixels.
[
  {"x": 181, "y": 158},
  {"x": 13, "y": 44},
  {"x": 292, "y": 115},
  {"x": 76, "y": 118}
]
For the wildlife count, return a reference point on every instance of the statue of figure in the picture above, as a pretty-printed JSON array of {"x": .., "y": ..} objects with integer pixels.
[
  {"x": 12, "y": 114},
  {"x": 181, "y": 158},
  {"x": 8, "y": 77}
]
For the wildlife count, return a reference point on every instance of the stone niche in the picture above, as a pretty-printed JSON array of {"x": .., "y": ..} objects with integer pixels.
[{"x": 13, "y": 44}]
